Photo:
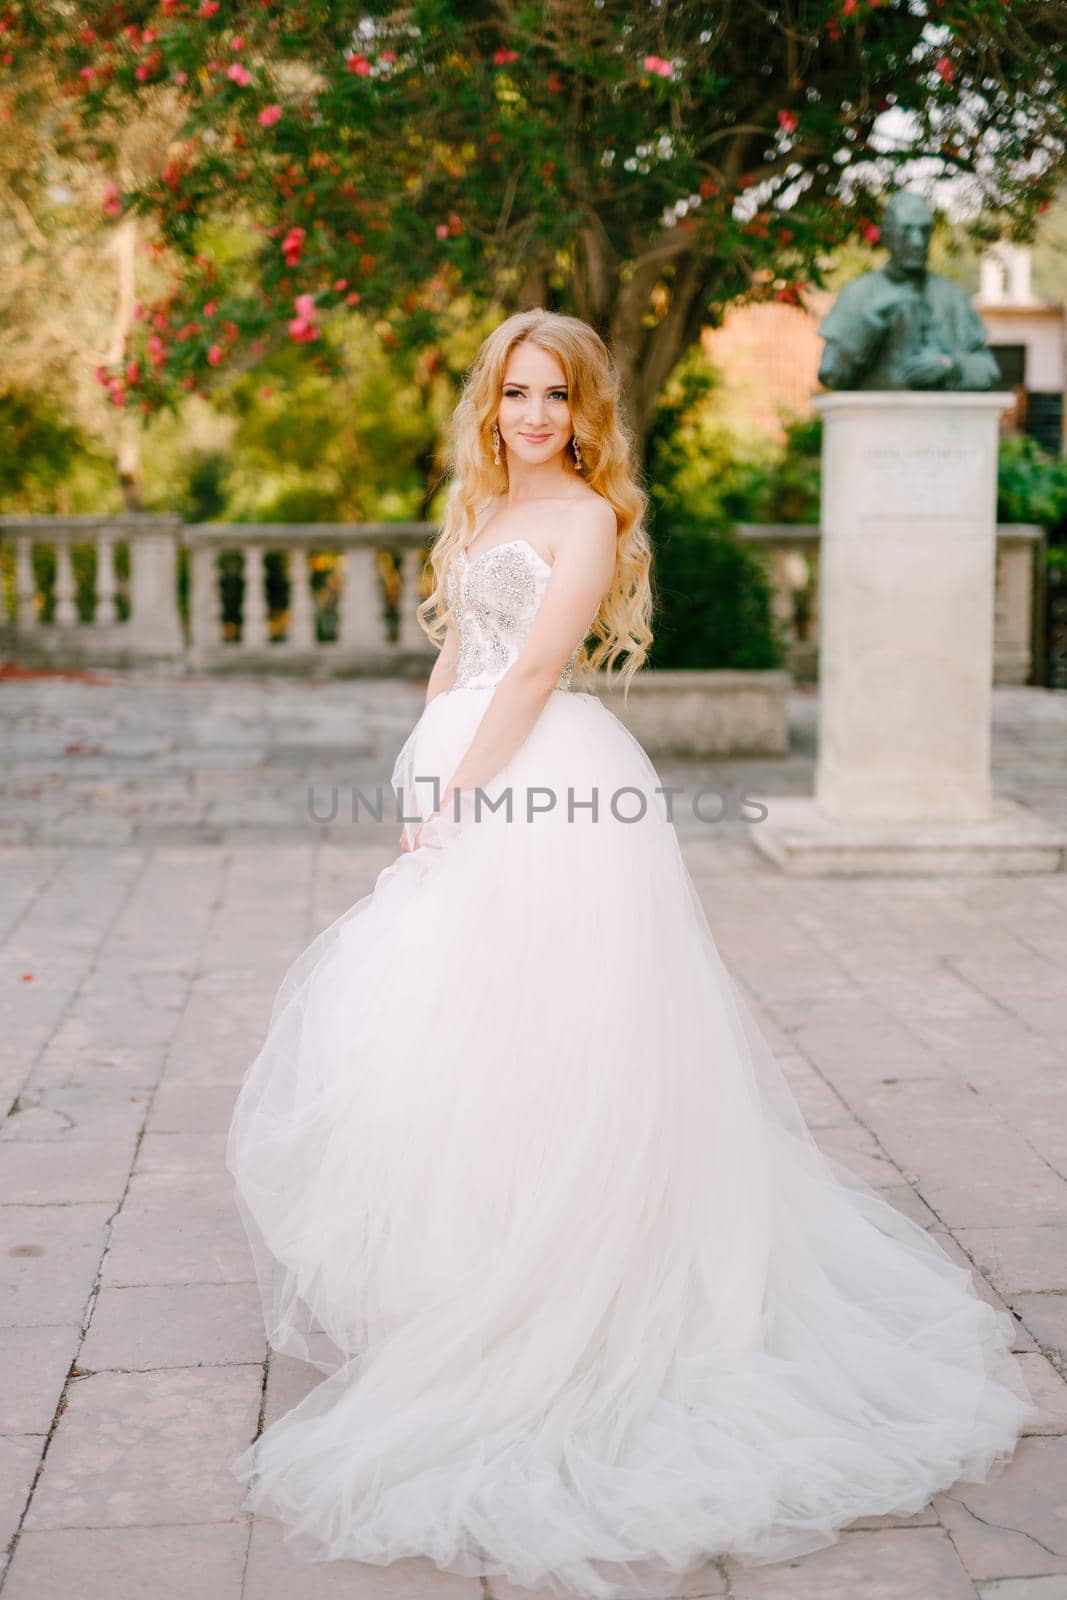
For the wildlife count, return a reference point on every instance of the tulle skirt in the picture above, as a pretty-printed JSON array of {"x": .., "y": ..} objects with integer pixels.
[{"x": 521, "y": 1175}]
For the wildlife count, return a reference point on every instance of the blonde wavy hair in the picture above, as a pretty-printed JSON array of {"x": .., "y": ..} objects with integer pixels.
[{"x": 622, "y": 623}]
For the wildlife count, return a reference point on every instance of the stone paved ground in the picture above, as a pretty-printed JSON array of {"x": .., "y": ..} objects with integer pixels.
[{"x": 160, "y": 871}]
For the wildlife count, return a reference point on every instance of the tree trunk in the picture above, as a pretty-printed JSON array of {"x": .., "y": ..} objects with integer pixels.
[{"x": 128, "y": 431}]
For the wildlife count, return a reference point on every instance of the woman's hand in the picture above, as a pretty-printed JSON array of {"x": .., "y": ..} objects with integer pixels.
[{"x": 417, "y": 840}]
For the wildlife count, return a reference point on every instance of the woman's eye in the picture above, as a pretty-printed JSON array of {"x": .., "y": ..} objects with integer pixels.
[{"x": 514, "y": 394}]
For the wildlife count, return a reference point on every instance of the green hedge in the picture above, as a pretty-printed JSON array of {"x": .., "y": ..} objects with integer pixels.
[{"x": 712, "y": 600}]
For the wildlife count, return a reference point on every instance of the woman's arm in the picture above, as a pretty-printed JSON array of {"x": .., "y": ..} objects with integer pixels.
[{"x": 581, "y": 576}]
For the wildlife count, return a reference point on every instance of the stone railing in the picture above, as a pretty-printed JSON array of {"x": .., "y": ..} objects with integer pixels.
[
  {"x": 135, "y": 615},
  {"x": 361, "y": 640},
  {"x": 791, "y": 552},
  {"x": 138, "y": 619},
  {"x": 133, "y": 618}
]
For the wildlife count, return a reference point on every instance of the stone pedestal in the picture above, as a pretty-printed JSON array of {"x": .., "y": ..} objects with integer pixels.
[{"x": 907, "y": 579}]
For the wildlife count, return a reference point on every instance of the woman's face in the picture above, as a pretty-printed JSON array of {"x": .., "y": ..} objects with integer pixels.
[{"x": 535, "y": 415}]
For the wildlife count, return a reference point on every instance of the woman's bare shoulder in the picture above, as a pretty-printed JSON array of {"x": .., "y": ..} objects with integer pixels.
[{"x": 586, "y": 513}]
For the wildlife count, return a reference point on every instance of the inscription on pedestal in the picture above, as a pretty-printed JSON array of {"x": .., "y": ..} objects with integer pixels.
[{"x": 913, "y": 474}]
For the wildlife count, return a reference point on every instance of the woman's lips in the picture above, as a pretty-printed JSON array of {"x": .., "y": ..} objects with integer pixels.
[{"x": 537, "y": 438}]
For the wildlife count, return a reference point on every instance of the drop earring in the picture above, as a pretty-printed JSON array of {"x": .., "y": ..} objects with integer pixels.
[
  {"x": 496, "y": 444},
  {"x": 577, "y": 452}
]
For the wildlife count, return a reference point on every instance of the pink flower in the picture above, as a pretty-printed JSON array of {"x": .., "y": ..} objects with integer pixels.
[
  {"x": 387, "y": 55},
  {"x": 441, "y": 230},
  {"x": 138, "y": 312},
  {"x": 353, "y": 298},
  {"x": 100, "y": 374},
  {"x": 159, "y": 321},
  {"x": 239, "y": 74},
  {"x": 208, "y": 8},
  {"x": 133, "y": 372},
  {"x": 141, "y": 74},
  {"x": 266, "y": 392},
  {"x": 302, "y": 327},
  {"x": 112, "y": 203},
  {"x": 210, "y": 308},
  {"x": 181, "y": 79},
  {"x": 87, "y": 74},
  {"x": 148, "y": 36},
  {"x": 292, "y": 245},
  {"x": 269, "y": 116},
  {"x": 657, "y": 64},
  {"x": 944, "y": 68},
  {"x": 871, "y": 232},
  {"x": 787, "y": 121},
  {"x": 237, "y": 43},
  {"x": 502, "y": 57},
  {"x": 214, "y": 355},
  {"x": 340, "y": 284},
  {"x": 358, "y": 63}
]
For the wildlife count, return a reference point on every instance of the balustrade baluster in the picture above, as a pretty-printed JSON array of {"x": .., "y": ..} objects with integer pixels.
[
  {"x": 361, "y": 624},
  {"x": 205, "y": 600},
  {"x": 25, "y": 585},
  {"x": 106, "y": 588},
  {"x": 65, "y": 613},
  {"x": 301, "y": 604},
  {"x": 412, "y": 636},
  {"x": 254, "y": 606}
]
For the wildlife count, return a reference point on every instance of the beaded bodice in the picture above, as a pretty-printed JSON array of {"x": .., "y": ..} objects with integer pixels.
[{"x": 500, "y": 593}]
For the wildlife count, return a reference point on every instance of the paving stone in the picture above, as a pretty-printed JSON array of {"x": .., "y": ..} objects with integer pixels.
[
  {"x": 34, "y": 1363},
  {"x": 1014, "y": 1526},
  {"x": 1024, "y": 1589},
  {"x": 1047, "y": 1390},
  {"x": 1020, "y": 1259},
  {"x": 288, "y": 1381},
  {"x": 905, "y": 1199},
  {"x": 191, "y": 1108},
  {"x": 856, "y": 1148},
  {"x": 204, "y": 1562},
  {"x": 136, "y": 1448},
  {"x": 893, "y": 1564},
  {"x": 19, "y": 1455},
  {"x": 62, "y": 1172},
  {"x": 49, "y": 1257},
  {"x": 174, "y": 1325},
  {"x": 178, "y": 1229},
  {"x": 182, "y": 1153},
  {"x": 275, "y": 1574},
  {"x": 1046, "y": 1317},
  {"x": 75, "y": 1113}
]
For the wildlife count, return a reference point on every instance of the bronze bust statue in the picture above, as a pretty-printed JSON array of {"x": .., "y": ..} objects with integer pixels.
[{"x": 902, "y": 327}]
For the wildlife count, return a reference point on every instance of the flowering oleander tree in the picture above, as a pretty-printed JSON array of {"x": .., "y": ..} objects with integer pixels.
[{"x": 641, "y": 165}]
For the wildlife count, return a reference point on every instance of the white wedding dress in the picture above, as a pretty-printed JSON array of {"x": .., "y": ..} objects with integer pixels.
[{"x": 520, "y": 1173}]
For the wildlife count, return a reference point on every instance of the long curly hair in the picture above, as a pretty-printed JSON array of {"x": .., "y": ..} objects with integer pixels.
[{"x": 622, "y": 623}]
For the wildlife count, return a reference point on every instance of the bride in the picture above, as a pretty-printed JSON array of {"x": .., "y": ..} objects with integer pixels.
[{"x": 518, "y": 1170}]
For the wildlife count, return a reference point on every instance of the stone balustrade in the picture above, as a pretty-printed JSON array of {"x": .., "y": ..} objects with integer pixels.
[
  {"x": 133, "y": 619},
  {"x": 362, "y": 640},
  {"x": 791, "y": 553},
  {"x": 138, "y": 618}
]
